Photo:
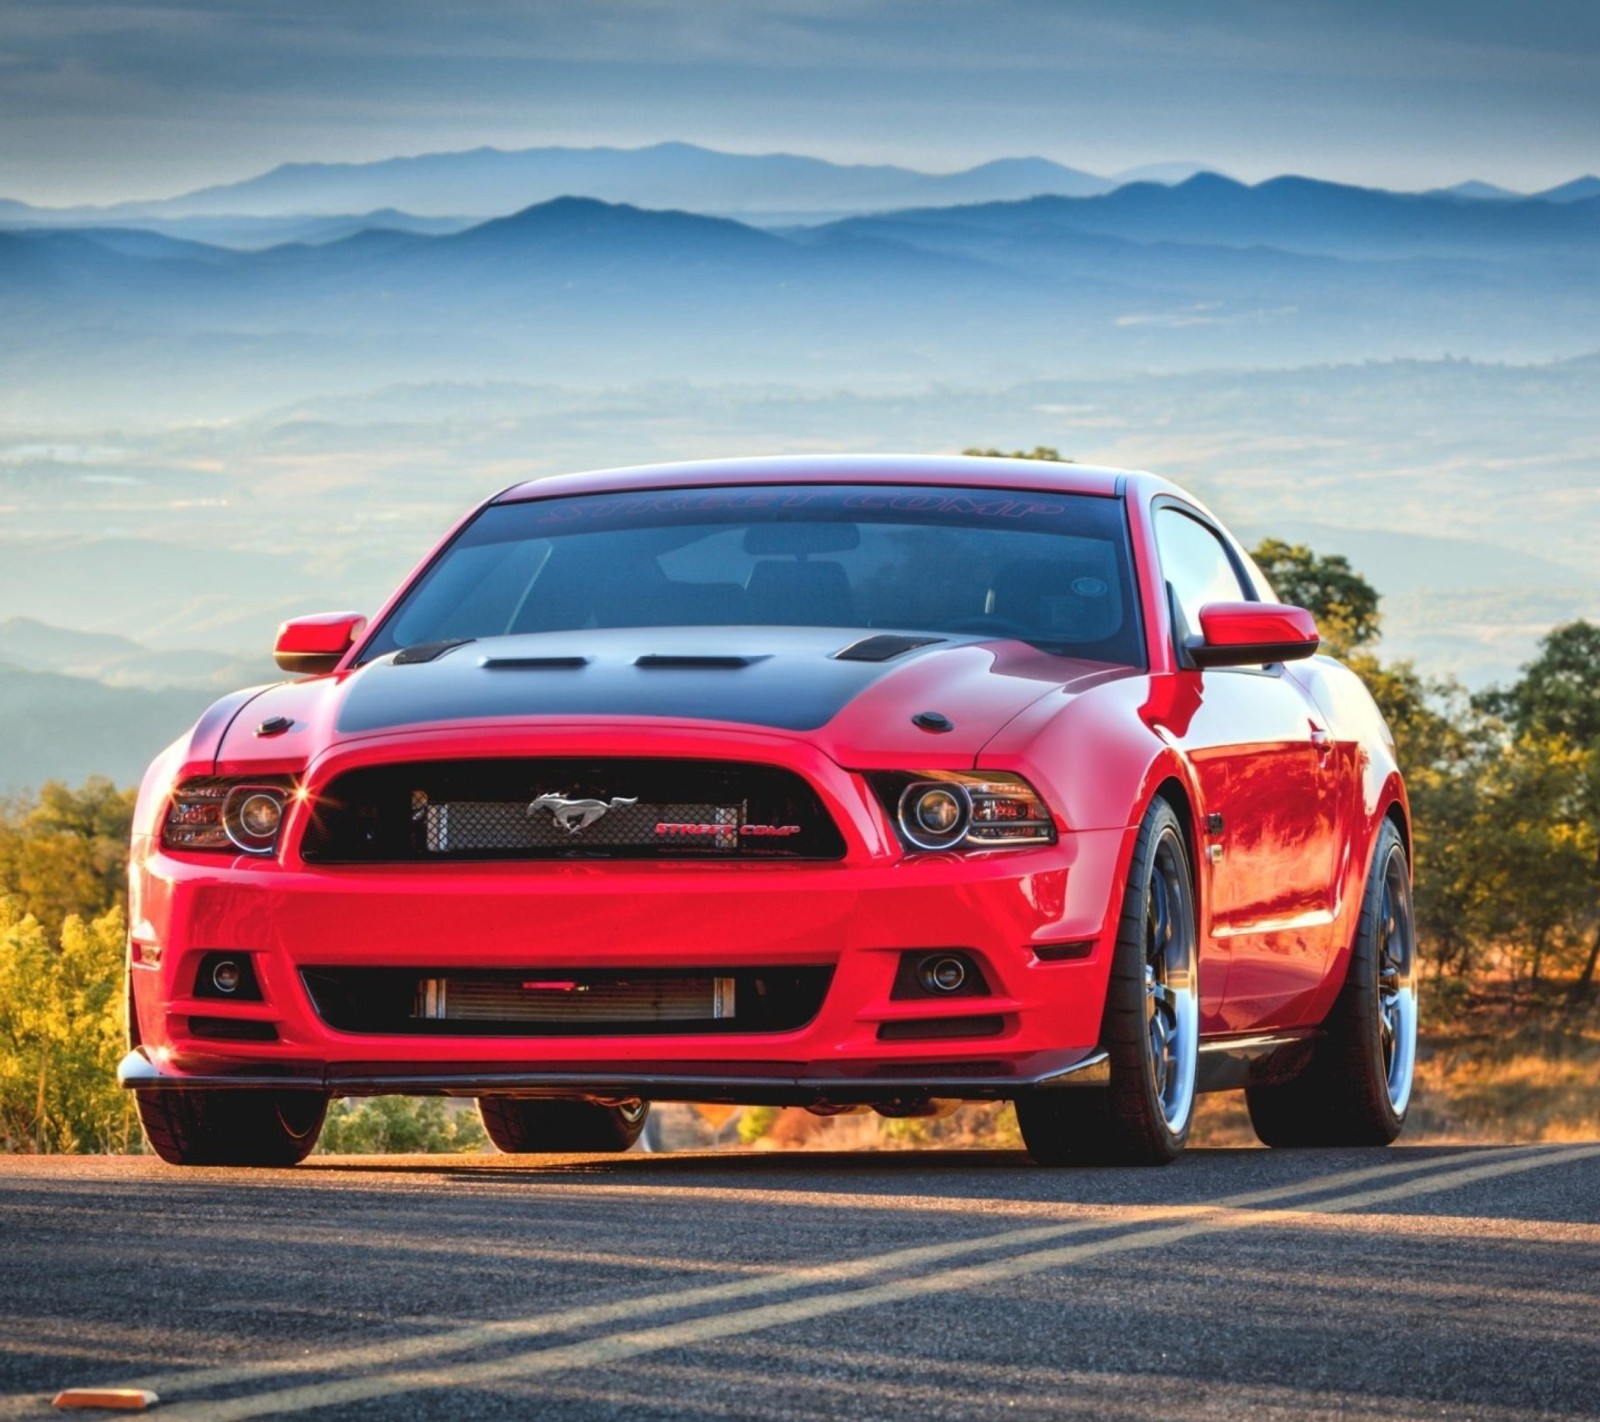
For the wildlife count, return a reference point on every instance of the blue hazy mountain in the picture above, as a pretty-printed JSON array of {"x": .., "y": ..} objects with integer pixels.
[
  {"x": 1578, "y": 190},
  {"x": 68, "y": 727},
  {"x": 1207, "y": 272},
  {"x": 1477, "y": 190},
  {"x": 1291, "y": 214},
  {"x": 491, "y": 182}
]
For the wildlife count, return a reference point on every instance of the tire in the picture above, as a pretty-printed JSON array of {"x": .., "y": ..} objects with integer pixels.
[
  {"x": 1356, "y": 1089},
  {"x": 521, "y": 1127},
  {"x": 254, "y": 1128},
  {"x": 1150, "y": 1029}
]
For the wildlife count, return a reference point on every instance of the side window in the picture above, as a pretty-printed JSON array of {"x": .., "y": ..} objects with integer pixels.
[{"x": 1195, "y": 563}]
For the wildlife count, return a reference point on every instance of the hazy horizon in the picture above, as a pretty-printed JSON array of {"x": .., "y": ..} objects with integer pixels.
[
  {"x": 214, "y": 415},
  {"x": 1142, "y": 171},
  {"x": 142, "y": 100}
]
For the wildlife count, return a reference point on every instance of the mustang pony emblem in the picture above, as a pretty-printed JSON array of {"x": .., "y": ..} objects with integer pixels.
[{"x": 575, "y": 815}]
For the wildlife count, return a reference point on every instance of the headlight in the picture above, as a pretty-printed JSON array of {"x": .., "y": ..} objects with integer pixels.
[
  {"x": 964, "y": 810},
  {"x": 228, "y": 815}
]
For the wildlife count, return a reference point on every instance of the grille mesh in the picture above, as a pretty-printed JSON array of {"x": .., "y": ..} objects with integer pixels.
[
  {"x": 491, "y": 824},
  {"x": 551, "y": 809}
]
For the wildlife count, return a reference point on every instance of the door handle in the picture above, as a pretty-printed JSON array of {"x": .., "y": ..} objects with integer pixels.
[{"x": 1322, "y": 740}]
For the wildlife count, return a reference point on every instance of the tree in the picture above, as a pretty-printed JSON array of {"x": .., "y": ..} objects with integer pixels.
[
  {"x": 1559, "y": 693},
  {"x": 1555, "y": 708},
  {"x": 1039, "y": 451},
  {"x": 65, "y": 851},
  {"x": 400, "y": 1125},
  {"x": 1344, "y": 603}
]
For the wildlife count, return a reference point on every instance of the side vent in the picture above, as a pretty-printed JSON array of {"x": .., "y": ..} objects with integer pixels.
[
  {"x": 883, "y": 648},
  {"x": 427, "y": 652}
]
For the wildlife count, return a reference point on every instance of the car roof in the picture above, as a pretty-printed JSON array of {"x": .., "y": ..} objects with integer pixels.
[{"x": 961, "y": 470}]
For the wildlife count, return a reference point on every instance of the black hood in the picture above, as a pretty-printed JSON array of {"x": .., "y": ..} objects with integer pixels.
[{"x": 786, "y": 678}]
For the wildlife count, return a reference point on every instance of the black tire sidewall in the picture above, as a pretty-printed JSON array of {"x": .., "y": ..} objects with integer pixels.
[{"x": 1135, "y": 1071}]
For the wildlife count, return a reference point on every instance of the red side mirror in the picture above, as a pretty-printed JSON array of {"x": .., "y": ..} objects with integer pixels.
[
  {"x": 310, "y": 645},
  {"x": 1239, "y": 634}
]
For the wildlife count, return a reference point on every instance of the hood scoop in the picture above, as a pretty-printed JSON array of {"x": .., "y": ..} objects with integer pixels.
[
  {"x": 884, "y": 647},
  {"x": 694, "y": 661},
  {"x": 533, "y": 663}
]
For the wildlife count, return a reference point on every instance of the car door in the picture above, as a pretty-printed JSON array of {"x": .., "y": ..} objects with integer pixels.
[{"x": 1263, "y": 762}]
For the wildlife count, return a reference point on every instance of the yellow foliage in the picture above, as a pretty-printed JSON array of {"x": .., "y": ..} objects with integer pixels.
[{"x": 61, "y": 1034}]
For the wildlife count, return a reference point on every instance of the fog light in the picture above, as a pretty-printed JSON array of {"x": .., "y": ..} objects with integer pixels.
[
  {"x": 940, "y": 975},
  {"x": 226, "y": 976}
]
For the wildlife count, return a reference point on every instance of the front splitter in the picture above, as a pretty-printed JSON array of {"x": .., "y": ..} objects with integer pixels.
[{"x": 758, "y": 1084}]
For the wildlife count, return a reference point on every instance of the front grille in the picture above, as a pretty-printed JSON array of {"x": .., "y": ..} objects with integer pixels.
[
  {"x": 568, "y": 809},
  {"x": 565, "y": 1002}
]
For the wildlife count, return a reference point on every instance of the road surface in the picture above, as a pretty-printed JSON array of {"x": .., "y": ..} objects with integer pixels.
[{"x": 1409, "y": 1283}]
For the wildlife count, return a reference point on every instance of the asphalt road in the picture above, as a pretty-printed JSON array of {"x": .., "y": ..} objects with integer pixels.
[{"x": 1409, "y": 1283}]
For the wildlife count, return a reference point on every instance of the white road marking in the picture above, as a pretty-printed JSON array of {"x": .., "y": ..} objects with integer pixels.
[{"x": 1218, "y": 1217}]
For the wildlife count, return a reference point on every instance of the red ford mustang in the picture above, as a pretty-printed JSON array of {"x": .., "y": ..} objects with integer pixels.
[{"x": 826, "y": 782}]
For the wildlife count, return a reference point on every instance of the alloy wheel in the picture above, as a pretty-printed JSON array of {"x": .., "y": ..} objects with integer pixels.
[
  {"x": 1171, "y": 981},
  {"x": 1397, "y": 991}
]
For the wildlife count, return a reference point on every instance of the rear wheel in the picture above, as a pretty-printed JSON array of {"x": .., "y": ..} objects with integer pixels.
[
  {"x": 521, "y": 1127},
  {"x": 1151, "y": 1027},
  {"x": 259, "y": 1128},
  {"x": 1357, "y": 1088}
]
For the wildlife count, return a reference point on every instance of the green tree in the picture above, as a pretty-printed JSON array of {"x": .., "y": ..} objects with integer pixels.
[
  {"x": 1039, "y": 451},
  {"x": 1554, "y": 712},
  {"x": 400, "y": 1125},
  {"x": 65, "y": 851}
]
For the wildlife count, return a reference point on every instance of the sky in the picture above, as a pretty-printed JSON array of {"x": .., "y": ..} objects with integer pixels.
[{"x": 105, "y": 101}]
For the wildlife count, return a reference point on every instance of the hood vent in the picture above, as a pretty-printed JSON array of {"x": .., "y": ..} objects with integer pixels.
[
  {"x": 704, "y": 661},
  {"x": 883, "y": 648},
  {"x": 534, "y": 663}
]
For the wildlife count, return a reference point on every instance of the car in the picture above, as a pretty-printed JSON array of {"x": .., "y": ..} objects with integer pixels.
[{"x": 843, "y": 783}]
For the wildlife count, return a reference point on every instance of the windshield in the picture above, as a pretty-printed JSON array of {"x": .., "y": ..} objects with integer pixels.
[{"x": 1051, "y": 569}]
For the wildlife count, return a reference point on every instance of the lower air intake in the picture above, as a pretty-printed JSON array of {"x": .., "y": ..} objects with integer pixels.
[
  {"x": 565, "y": 1002},
  {"x": 541, "y": 999}
]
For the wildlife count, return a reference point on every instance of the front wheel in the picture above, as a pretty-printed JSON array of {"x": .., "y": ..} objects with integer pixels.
[
  {"x": 521, "y": 1127},
  {"x": 255, "y": 1128},
  {"x": 1357, "y": 1088},
  {"x": 1151, "y": 1026}
]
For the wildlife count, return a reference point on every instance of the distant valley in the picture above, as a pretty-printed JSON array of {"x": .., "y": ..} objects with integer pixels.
[{"x": 201, "y": 437}]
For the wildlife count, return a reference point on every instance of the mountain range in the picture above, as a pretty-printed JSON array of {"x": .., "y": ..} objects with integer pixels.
[
  {"x": 1202, "y": 273},
  {"x": 201, "y": 437},
  {"x": 455, "y": 189},
  {"x": 491, "y": 182}
]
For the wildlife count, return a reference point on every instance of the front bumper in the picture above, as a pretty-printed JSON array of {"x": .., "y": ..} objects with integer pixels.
[{"x": 1008, "y": 910}]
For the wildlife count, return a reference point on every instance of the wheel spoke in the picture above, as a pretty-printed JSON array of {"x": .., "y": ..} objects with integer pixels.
[{"x": 1159, "y": 918}]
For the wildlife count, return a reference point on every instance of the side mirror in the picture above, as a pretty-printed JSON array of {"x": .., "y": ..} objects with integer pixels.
[
  {"x": 1241, "y": 634},
  {"x": 307, "y": 646}
]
